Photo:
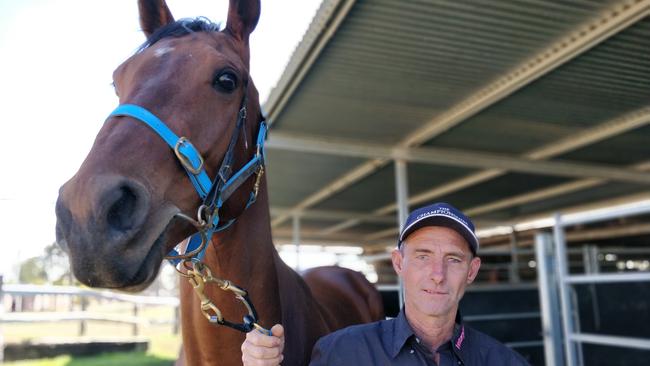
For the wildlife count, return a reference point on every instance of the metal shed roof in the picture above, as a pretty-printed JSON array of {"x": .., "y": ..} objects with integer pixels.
[{"x": 509, "y": 110}]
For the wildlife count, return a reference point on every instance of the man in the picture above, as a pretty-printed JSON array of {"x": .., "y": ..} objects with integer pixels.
[{"x": 436, "y": 259}]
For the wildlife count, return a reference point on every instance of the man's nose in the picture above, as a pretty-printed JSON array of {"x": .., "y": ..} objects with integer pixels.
[{"x": 438, "y": 270}]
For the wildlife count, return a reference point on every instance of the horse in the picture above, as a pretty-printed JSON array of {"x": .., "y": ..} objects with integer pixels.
[{"x": 132, "y": 200}]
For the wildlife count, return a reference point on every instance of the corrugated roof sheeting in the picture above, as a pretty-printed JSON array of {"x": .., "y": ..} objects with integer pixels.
[
  {"x": 372, "y": 192},
  {"x": 610, "y": 80},
  {"x": 405, "y": 62},
  {"x": 504, "y": 186},
  {"x": 378, "y": 189},
  {"x": 291, "y": 176},
  {"x": 393, "y": 69},
  {"x": 629, "y": 148}
]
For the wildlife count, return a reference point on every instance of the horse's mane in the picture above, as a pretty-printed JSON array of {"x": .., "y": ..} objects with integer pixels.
[{"x": 180, "y": 28}]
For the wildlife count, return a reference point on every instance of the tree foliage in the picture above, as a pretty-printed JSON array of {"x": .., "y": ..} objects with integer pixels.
[{"x": 51, "y": 267}]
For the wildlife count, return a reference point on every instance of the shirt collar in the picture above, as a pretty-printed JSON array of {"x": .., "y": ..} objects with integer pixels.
[
  {"x": 459, "y": 339},
  {"x": 402, "y": 331}
]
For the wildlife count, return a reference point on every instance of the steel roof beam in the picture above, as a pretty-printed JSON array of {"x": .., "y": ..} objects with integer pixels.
[
  {"x": 452, "y": 157},
  {"x": 582, "y": 39},
  {"x": 335, "y": 215},
  {"x": 590, "y": 136},
  {"x": 537, "y": 195},
  {"x": 312, "y": 235},
  {"x": 536, "y": 221},
  {"x": 573, "y": 142}
]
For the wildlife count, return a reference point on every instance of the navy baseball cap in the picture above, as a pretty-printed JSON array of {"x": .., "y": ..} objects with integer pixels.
[{"x": 441, "y": 214}]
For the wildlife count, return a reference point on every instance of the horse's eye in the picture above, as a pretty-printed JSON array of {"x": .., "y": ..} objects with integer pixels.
[{"x": 226, "y": 81}]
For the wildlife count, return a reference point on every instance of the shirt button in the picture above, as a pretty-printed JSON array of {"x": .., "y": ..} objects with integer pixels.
[
  {"x": 412, "y": 350},
  {"x": 417, "y": 340}
]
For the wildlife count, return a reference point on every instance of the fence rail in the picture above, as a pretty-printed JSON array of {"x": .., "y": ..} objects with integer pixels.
[
  {"x": 19, "y": 291},
  {"x": 23, "y": 289}
]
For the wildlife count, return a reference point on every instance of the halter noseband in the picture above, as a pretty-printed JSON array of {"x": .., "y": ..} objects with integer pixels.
[{"x": 213, "y": 192}]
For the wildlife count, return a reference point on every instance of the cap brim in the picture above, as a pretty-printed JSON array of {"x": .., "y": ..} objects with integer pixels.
[{"x": 444, "y": 221}]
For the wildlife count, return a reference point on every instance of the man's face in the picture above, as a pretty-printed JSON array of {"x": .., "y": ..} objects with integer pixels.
[{"x": 435, "y": 264}]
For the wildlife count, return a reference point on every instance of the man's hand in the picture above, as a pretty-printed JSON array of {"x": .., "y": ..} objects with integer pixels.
[{"x": 263, "y": 350}]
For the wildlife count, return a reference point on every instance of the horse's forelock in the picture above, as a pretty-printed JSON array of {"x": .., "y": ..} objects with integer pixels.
[{"x": 180, "y": 28}]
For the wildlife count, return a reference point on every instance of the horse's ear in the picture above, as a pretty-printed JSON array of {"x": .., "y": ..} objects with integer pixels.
[
  {"x": 242, "y": 18},
  {"x": 153, "y": 15}
]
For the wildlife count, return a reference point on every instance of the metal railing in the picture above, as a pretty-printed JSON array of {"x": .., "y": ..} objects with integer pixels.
[
  {"x": 573, "y": 338},
  {"x": 507, "y": 316}
]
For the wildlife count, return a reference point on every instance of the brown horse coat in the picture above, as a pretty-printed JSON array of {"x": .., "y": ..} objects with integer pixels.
[{"x": 118, "y": 215}]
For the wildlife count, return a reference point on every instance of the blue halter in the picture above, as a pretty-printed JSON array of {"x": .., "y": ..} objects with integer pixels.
[{"x": 213, "y": 193}]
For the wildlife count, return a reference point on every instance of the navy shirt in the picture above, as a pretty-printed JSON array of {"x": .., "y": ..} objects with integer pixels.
[{"x": 393, "y": 342}]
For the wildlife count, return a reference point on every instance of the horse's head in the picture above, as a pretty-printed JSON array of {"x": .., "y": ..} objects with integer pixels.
[{"x": 117, "y": 216}]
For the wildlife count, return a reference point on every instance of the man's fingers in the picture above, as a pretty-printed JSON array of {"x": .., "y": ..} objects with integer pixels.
[
  {"x": 250, "y": 361},
  {"x": 263, "y": 350},
  {"x": 260, "y": 352},
  {"x": 277, "y": 330},
  {"x": 259, "y": 339}
]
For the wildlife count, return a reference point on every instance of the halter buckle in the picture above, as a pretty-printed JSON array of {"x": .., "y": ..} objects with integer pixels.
[{"x": 187, "y": 163}]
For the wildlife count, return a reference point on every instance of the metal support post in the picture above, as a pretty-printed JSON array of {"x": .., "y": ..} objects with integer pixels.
[
  {"x": 401, "y": 187},
  {"x": 296, "y": 239},
  {"x": 590, "y": 259},
  {"x": 562, "y": 272},
  {"x": 548, "y": 300},
  {"x": 592, "y": 267},
  {"x": 514, "y": 258}
]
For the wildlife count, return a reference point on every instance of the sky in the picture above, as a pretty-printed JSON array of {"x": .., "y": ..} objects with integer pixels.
[{"x": 56, "y": 62}]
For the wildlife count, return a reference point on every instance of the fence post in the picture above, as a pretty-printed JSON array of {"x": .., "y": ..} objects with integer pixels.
[
  {"x": 177, "y": 319},
  {"x": 135, "y": 315},
  {"x": 2, "y": 310},
  {"x": 82, "y": 324}
]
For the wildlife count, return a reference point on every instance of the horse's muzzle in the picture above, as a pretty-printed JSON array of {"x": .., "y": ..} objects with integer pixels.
[{"x": 100, "y": 223}]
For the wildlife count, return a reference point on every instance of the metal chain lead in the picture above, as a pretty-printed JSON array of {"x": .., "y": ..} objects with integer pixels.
[{"x": 200, "y": 275}]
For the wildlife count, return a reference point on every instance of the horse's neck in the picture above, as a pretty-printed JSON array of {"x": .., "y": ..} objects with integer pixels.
[
  {"x": 243, "y": 254},
  {"x": 245, "y": 250}
]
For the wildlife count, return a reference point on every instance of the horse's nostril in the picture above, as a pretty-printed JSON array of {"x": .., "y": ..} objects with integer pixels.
[{"x": 120, "y": 214}]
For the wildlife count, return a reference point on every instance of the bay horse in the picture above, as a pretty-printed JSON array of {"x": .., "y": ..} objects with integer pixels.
[{"x": 131, "y": 202}]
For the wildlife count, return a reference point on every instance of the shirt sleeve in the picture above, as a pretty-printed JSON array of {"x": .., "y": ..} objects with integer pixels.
[
  {"x": 517, "y": 360},
  {"x": 323, "y": 353}
]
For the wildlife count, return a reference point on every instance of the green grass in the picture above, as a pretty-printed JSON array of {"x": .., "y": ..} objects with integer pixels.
[
  {"x": 108, "y": 359},
  {"x": 163, "y": 348}
]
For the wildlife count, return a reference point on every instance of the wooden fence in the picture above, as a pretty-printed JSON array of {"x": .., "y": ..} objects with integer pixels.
[{"x": 24, "y": 303}]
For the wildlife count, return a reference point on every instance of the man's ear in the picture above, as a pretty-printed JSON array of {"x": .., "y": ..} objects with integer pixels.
[
  {"x": 474, "y": 266},
  {"x": 398, "y": 261}
]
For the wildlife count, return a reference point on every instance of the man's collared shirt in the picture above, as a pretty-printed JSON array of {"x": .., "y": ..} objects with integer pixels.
[{"x": 393, "y": 342}]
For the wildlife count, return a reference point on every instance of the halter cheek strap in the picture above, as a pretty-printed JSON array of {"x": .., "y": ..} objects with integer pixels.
[
  {"x": 213, "y": 193},
  {"x": 186, "y": 153}
]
